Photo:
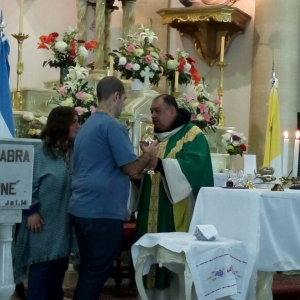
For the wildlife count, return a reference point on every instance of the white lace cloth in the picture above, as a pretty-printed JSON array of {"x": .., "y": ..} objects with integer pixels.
[{"x": 218, "y": 268}]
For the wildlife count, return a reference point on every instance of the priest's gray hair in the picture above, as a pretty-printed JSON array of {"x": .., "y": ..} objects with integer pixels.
[{"x": 107, "y": 86}]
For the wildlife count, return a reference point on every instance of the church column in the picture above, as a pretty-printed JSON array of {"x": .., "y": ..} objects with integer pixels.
[
  {"x": 276, "y": 31},
  {"x": 128, "y": 17},
  {"x": 81, "y": 18},
  {"x": 100, "y": 34}
]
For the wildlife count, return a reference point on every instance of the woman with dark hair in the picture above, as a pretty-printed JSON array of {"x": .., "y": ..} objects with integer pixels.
[{"x": 45, "y": 237}]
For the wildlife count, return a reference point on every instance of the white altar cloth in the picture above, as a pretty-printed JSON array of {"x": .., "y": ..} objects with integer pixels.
[
  {"x": 267, "y": 222},
  {"x": 218, "y": 268}
]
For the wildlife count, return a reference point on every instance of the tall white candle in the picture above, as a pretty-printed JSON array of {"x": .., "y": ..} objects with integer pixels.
[
  {"x": 296, "y": 154},
  {"x": 222, "y": 49},
  {"x": 111, "y": 66},
  {"x": 21, "y": 16},
  {"x": 285, "y": 154},
  {"x": 176, "y": 79}
]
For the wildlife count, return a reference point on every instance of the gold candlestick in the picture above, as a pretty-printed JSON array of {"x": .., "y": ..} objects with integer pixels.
[
  {"x": 17, "y": 96},
  {"x": 221, "y": 65}
]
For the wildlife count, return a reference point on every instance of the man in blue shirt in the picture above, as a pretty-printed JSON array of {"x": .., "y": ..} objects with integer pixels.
[{"x": 103, "y": 162}]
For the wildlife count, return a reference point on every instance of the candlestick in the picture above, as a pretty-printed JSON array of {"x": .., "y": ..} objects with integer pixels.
[
  {"x": 221, "y": 66},
  {"x": 222, "y": 48},
  {"x": 285, "y": 154},
  {"x": 296, "y": 154},
  {"x": 21, "y": 16},
  {"x": 176, "y": 80},
  {"x": 111, "y": 66}
]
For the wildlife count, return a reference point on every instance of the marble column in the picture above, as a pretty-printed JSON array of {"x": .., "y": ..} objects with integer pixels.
[
  {"x": 107, "y": 36},
  {"x": 276, "y": 33},
  {"x": 128, "y": 17},
  {"x": 81, "y": 18},
  {"x": 100, "y": 34}
]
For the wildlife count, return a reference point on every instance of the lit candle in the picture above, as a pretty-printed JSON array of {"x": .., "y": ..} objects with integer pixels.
[
  {"x": 111, "y": 66},
  {"x": 222, "y": 48},
  {"x": 176, "y": 80},
  {"x": 285, "y": 154},
  {"x": 296, "y": 154},
  {"x": 21, "y": 16}
]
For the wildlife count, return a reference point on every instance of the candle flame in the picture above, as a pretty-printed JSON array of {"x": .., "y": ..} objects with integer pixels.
[
  {"x": 286, "y": 135},
  {"x": 297, "y": 134}
]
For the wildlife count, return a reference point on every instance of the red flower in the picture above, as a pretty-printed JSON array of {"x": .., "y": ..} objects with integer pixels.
[
  {"x": 169, "y": 56},
  {"x": 43, "y": 46},
  {"x": 180, "y": 67},
  {"x": 80, "y": 41},
  {"x": 91, "y": 45},
  {"x": 243, "y": 147},
  {"x": 73, "y": 48},
  {"x": 54, "y": 34},
  {"x": 191, "y": 61}
]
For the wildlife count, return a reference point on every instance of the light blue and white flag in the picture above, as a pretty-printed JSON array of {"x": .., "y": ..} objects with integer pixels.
[{"x": 6, "y": 115}]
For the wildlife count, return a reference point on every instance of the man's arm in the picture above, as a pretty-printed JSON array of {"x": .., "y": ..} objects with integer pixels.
[{"x": 137, "y": 166}]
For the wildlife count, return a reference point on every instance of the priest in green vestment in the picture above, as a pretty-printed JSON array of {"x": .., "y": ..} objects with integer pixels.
[{"x": 183, "y": 166}]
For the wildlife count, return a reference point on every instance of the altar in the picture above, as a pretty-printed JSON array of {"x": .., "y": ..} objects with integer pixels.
[{"x": 266, "y": 221}]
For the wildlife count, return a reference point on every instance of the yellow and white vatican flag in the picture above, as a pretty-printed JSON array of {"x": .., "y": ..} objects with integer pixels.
[{"x": 272, "y": 155}]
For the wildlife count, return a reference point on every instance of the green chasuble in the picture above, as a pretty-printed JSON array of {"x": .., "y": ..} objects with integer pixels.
[{"x": 156, "y": 213}]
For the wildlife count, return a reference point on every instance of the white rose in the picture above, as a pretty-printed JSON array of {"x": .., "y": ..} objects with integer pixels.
[
  {"x": 42, "y": 120},
  {"x": 139, "y": 52},
  {"x": 154, "y": 66},
  {"x": 235, "y": 143},
  {"x": 83, "y": 52},
  {"x": 61, "y": 46},
  {"x": 226, "y": 136},
  {"x": 38, "y": 131},
  {"x": 136, "y": 67},
  {"x": 209, "y": 104},
  {"x": 172, "y": 64},
  {"x": 199, "y": 117},
  {"x": 187, "y": 67},
  {"x": 88, "y": 97},
  {"x": 28, "y": 116},
  {"x": 122, "y": 61}
]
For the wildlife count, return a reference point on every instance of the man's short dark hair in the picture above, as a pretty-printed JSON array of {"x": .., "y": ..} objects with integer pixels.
[
  {"x": 107, "y": 86},
  {"x": 169, "y": 100}
]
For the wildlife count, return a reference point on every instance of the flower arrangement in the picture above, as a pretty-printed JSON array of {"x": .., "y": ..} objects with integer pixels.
[
  {"x": 68, "y": 51},
  {"x": 36, "y": 125},
  {"x": 234, "y": 143},
  {"x": 185, "y": 65},
  {"x": 136, "y": 53},
  {"x": 204, "y": 112},
  {"x": 75, "y": 92}
]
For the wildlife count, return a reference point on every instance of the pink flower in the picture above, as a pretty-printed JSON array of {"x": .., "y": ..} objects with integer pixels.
[
  {"x": 160, "y": 57},
  {"x": 202, "y": 107},
  {"x": 206, "y": 117},
  {"x": 79, "y": 110},
  {"x": 128, "y": 66},
  {"x": 92, "y": 109},
  {"x": 217, "y": 101},
  {"x": 130, "y": 48},
  {"x": 80, "y": 95},
  {"x": 62, "y": 90},
  {"x": 188, "y": 99},
  {"x": 150, "y": 49},
  {"x": 193, "y": 117},
  {"x": 148, "y": 59}
]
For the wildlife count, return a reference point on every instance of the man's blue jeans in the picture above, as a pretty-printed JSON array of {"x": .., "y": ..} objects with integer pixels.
[
  {"x": 99, "y": 242},
  {"x": 46, "y": 278}
]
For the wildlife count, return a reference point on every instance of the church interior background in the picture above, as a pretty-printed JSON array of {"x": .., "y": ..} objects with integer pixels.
[{"x": 273, "y": 31}]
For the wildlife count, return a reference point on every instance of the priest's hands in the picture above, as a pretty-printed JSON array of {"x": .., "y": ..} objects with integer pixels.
[{"x": 35, "y": 223}]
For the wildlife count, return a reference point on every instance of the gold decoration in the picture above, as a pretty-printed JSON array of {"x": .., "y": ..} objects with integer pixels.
[
  {"x": 277, "y": 188},
  {"x": 17, "y": 96},
  {"x": 221, "y": 66},
  {"x": 206, "y": 25}
]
